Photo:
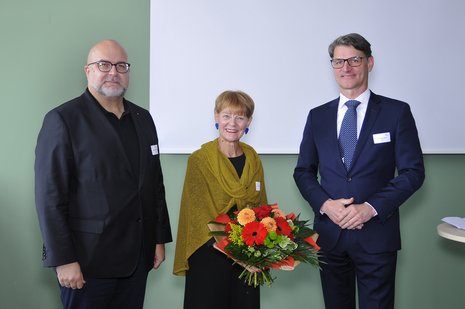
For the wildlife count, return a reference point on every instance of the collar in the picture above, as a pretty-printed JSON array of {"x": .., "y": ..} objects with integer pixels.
[
  {"x": 362, "y": 98},
  {"x": 127, "y": 109}
]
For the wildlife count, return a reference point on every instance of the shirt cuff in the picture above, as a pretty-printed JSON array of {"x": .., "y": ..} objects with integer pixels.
[
  {"x": 322, "y": 212},
  {"x": 375, "y": 213}
]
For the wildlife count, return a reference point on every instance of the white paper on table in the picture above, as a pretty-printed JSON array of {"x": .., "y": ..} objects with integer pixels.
[{"x": 455, "y": 221}]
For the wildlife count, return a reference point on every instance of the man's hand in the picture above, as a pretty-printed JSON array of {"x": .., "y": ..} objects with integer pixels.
[
  {"x": 70, "y": 276},
  {"x": 357, "y": 215},
  {"x": 336, "y": 209},
  {"x": 159, "y": 255}
]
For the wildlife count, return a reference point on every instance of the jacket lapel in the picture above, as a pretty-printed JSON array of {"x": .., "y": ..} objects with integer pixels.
[
  {"x": 331, "y": 138},
  {"x": 333, "y": 109},
  {"x": 371, "y": 115}
]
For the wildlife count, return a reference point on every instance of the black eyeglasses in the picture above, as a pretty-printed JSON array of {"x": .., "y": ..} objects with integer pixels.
[
  {"x": 352, "y": 61},
  {"x": 105, "y": 66}
]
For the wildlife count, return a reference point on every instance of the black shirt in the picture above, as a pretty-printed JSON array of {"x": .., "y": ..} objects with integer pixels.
[
  {"x": 126, "y": 131},
  {"x": 238, "y": 163}
]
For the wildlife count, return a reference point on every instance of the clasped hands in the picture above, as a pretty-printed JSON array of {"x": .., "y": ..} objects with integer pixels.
[{"x": 346, "y": 214}]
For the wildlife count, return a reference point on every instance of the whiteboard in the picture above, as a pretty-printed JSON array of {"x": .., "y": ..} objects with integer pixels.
[{"x": 276, "y": 51}]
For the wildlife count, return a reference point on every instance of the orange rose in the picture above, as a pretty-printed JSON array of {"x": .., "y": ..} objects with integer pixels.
[
  {"x": 278, "y": 213},
  {"x": 245, "y": 216},
  {"x": 270, "y": 224}
]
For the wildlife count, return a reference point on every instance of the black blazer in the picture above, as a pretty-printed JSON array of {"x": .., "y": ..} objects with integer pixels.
[{"x": 91, "y": 207}]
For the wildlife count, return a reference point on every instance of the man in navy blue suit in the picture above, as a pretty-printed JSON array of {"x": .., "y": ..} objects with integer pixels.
[{"x": 356, "y": 203}]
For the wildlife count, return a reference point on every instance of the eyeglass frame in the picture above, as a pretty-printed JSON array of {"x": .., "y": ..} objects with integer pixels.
[
  {"x": 98, "y": 63},
  {"x": 348, "y": 62}
]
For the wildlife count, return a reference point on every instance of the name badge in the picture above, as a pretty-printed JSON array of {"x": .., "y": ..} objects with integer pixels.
[
  {"x": 381, "y": 138},
  {"x": 154, "y": 149},
  {"x": 257, "y": 186}
]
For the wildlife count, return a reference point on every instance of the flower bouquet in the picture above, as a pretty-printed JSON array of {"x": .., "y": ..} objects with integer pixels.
[{"x": 264, "y": 237}]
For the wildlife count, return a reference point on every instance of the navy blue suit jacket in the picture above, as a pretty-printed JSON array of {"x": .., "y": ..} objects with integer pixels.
[
  {"x": 384, "y": 174},
  {"x": 92, "y": 207}
]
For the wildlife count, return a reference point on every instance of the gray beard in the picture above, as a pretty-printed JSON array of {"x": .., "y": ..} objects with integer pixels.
[{"x": 111, "y": 93}]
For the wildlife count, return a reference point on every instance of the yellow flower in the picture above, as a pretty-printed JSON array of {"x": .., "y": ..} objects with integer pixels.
[
  {"x": 235, "y": 235},
  {"x": 269, "y": 223},
  {"x": 245, "y": 216}
]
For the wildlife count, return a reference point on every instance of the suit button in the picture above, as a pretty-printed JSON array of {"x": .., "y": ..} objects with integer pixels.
[
  {"x": 349, "y": 179},
  {"x": 139, "y": 220}
]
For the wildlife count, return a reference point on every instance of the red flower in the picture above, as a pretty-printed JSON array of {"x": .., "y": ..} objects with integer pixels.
[
  {"x": 227, "y": 228},
  {"x": 291, "y": 216},
  {"x": 262, "y": 211},
  {"x": 223, "y": 218},
  {"x": 254, "y": 233},
  {"x": 283, "y": 227}
]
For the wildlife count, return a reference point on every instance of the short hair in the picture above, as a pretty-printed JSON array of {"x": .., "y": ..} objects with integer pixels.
[
  {"x": 352, "y": 39},
  {"x": 237, "y": 100}
]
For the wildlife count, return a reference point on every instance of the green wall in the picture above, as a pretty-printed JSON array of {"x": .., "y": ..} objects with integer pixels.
[{"x": 43, "y": 49}]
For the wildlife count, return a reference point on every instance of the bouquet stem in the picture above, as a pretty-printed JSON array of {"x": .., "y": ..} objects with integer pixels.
[{"x": 258, "y": 278}]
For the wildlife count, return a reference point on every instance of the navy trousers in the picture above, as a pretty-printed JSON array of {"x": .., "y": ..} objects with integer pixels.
[{"x": 348, "y": 264}]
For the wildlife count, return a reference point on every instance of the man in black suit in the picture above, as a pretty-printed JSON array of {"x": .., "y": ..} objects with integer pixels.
[{"x": 99, "y": 190}]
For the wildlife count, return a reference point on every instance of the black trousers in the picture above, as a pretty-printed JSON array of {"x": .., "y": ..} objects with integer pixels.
[
  {"x": 212, "y": 282},
  {"x": 109, "y": 293}
]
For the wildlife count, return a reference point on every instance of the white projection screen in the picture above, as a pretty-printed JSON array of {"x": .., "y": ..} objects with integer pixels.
[{"x": 276, "y": 51}]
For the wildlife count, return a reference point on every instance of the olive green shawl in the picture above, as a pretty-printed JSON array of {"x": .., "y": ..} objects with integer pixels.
[{"x": 212, "y": 187}]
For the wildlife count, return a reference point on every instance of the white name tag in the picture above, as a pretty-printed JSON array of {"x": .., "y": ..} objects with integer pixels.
[
  {"x": 154, "y": 149},
  {"x": 257, "y": 186},
  {"x": 382, "y": 138}
]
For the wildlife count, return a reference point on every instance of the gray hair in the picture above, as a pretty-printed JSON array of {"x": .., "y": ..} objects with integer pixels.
[{"x": 352, "y": 39}]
